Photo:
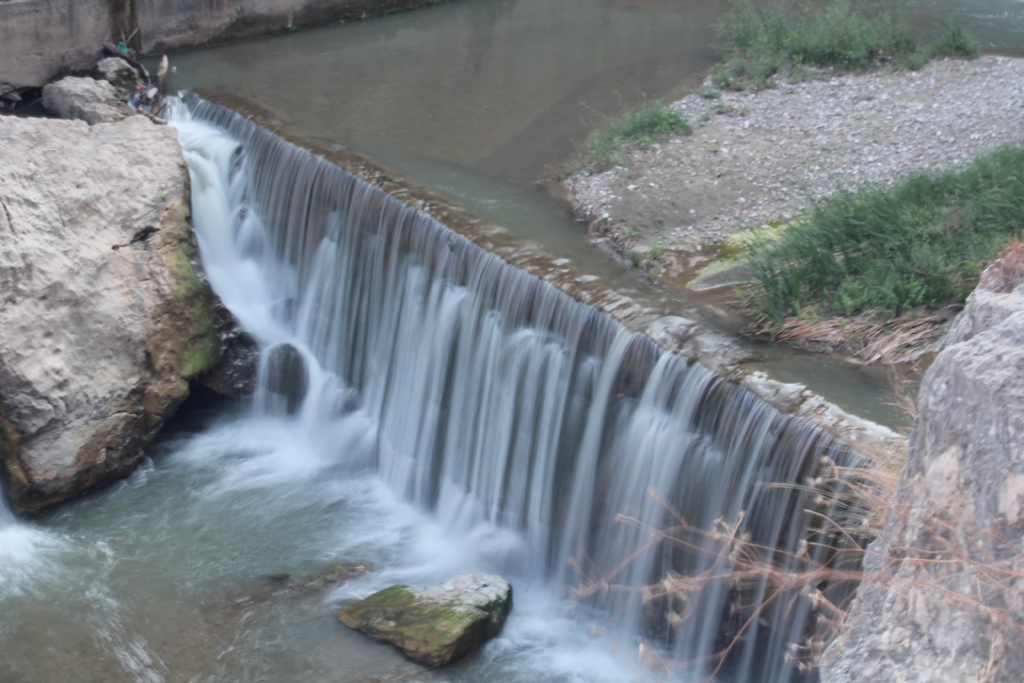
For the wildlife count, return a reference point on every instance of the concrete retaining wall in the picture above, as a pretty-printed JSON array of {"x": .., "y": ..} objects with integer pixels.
[
  {"x": 172, "y": 24},
  {"x": 41, "y": 39}
]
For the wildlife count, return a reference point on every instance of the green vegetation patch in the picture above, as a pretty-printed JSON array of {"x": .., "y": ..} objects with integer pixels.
[
  {"x": 765, "y": 39},
  {"x": 921, "y": 243},
  {"x": 955, "y": 42},
  {"x": 606, "y": 145}
]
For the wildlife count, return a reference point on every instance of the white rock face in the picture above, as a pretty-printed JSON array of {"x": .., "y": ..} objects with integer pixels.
[
  {"x": 87, "y": 99},
  {"x": 943, "y": 597},
  {"x": 104, "y": 314},
  {"x": 469, "y": 588}
]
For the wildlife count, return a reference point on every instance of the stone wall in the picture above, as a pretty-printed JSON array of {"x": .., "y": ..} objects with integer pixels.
[{"x": 943, "y": 593}]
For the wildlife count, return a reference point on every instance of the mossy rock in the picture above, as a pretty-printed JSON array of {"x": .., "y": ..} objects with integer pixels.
[{"x": 438, "y": 625}]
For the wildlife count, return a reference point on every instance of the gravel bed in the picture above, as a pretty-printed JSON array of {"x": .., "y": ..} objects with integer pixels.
[{"x": 765, "y": 156}]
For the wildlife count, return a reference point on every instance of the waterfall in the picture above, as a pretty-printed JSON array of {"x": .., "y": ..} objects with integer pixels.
[{"x": 499, "y": 402}]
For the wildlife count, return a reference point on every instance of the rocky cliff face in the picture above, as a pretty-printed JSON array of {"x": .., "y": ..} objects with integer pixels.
[
  {"x": 942, "y": 598},
  {"x": 104, "y": 313}
]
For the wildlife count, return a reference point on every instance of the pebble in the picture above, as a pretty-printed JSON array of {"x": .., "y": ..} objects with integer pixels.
[{"x": 775, "y": 150}]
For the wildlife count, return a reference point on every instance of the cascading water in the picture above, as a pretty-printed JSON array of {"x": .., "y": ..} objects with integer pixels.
[{"x": 539, "y": 428}]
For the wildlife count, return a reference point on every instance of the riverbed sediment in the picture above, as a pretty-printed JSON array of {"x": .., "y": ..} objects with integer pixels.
[{"x": 759, "y": 158}]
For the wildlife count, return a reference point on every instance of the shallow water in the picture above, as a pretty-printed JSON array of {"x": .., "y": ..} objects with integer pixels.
[
  {"x": 476, "y": 98},
  {"x": 163, "y": 577}
]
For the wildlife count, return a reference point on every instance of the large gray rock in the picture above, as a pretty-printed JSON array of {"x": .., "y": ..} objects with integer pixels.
[
  {"x": 438, "y": 625},
  {"x": 104, "y": 312},
  {"x": 942, "y": 598},
  {"x": 87, "y": 99},
  {"x": 118, "y": 72}
]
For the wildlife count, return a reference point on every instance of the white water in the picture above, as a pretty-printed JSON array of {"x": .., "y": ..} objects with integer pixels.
[{"x": 458, "y": 414}]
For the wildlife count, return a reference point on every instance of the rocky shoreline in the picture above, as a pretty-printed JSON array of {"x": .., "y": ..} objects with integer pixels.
[{"x": 757, "y": 159}]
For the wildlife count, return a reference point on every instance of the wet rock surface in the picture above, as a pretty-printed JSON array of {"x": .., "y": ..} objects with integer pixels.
[
  {"x": 86, "y": 99},
  {"x": 438, "y": 625},
  {"x": 768, "y": 155},
  {"x": 286, "y": 375},
  {"x": 941, "y": 599},
  {"x": 237, "y": 372},
  {"x": 105, "y": 315}
]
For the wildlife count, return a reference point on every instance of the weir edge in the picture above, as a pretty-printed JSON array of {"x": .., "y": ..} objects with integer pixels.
[{"x": 712, "y": 349}]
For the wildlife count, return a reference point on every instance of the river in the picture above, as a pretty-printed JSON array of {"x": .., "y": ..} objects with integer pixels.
[{"x": 175, "y": 573}]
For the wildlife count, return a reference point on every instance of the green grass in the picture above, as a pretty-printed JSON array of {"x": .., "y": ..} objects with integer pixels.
[
  {"x": 955, "y": 42},
  {"x": 606, "y": 145},
  {"x": 921, "y": 243},
  {"x": 768, "y": 38}
]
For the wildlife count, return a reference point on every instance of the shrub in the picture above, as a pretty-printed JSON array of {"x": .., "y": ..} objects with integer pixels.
[{"x": 955, "y": 42}]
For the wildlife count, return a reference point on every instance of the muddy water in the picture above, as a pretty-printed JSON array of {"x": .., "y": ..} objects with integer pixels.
[
  {"x": 479, "y": 98},
  {"x": 475, "y": 99}
]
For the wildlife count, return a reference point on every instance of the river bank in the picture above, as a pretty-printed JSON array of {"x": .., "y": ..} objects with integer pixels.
[{"x": 758, "y": 159}]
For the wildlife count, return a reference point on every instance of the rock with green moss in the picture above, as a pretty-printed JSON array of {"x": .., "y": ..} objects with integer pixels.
[
  {"x": 438, "y": 625},
  {"x": 105, "y": 314}
]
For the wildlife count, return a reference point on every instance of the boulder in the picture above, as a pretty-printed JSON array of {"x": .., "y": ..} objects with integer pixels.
[
  {"x": 105, "y": 315},
  {"x": 438, "y": 625},
  {"x": 238, "y": 370},
  {"x": 118, "y": 72},
  {"x": 286, "y": 375},
  {"x": 87, "y": 99},
  {"x": 941, "y": 598}
]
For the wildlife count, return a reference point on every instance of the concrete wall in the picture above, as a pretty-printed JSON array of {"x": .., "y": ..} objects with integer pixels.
[
  {"x": 41, "y": 38},
  {"x": 172, "y": 24}
]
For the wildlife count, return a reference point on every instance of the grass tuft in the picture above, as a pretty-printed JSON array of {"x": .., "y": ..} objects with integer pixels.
[
  {"x": 921, "y": 243},
  {"x": 606, "y": 145}
]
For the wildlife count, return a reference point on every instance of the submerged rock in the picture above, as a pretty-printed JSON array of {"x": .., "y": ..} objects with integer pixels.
[
  {"x": 438, "y": 625},
  {"x": 86, "y": 99},
  {"x": 105, "y": 314},
  {"x": 286, "y": 375}
]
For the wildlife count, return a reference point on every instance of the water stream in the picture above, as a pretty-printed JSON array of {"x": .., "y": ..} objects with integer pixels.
[
  {"x": 447, "y": 411},
  {"x": 475, "y": 98}
]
